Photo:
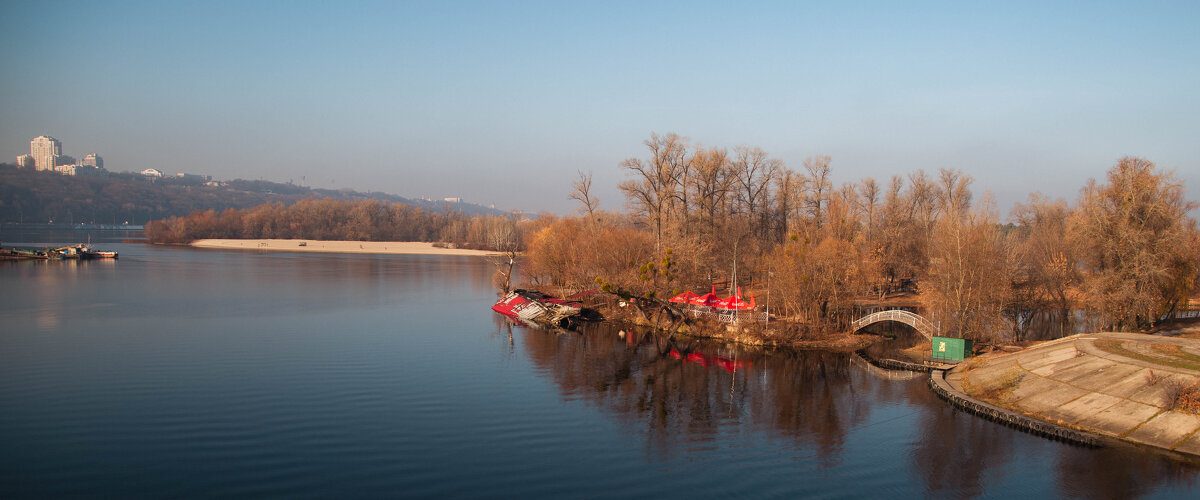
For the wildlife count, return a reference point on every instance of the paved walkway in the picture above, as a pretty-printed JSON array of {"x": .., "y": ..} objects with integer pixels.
[{"x": 1074, "y": 383}]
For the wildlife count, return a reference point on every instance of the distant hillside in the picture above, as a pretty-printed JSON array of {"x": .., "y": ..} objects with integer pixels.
[{"x": 29, "y": 196}]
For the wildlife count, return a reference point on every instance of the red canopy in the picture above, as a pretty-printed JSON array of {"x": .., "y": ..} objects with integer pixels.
[
  {"x": 709, "y": 299},
  {"x": 736, "y": 302},
  {"x": 685, "y": 297}
]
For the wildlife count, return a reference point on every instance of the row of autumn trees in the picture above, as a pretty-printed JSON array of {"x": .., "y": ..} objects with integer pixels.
[
  {"x": 1127, "y": 251},
  {"x": 329, "y": 219}
]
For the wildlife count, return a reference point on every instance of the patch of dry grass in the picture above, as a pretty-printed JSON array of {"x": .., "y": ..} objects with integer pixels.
[
  {"x": 1164, "y": 354},
  {"x": 1000, "y": 390}
]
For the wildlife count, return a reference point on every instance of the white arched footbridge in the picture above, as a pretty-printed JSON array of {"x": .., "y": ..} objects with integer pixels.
[{"x": 914, "y": 320}]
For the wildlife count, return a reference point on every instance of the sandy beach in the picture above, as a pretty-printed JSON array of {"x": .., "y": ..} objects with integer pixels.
[{"x": 371, "y": 247}]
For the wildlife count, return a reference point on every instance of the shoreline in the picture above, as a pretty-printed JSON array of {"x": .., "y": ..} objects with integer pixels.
[
  {"x": 344, "y": 247},
  {"x": 1073, "y": 389}
]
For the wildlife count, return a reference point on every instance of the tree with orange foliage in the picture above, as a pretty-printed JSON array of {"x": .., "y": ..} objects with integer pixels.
[
  {"x": 969, "y": 282},
  {"x": 1137, "y": 244},
  {"x": 818, "y": 282},
  {"x": 1045, "y": 262}
]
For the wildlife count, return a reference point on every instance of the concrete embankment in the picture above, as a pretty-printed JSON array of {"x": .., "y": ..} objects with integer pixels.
[{"x": 1087, "y": 387}]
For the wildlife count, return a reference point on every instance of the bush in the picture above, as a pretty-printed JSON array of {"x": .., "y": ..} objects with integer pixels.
[{"x": 1182, "y": 394}]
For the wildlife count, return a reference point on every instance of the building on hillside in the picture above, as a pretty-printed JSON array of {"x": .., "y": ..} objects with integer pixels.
[
  {"x": 93, "y": 160},
  {"x": 45, "y": 150},
  {"x": 153, "y": 172},
  {"x": 45, "y": 154},
  {"x": 452, "y": 200},
  {"x": 193, "y": 177},
  {"x": 80, "y": 170}
]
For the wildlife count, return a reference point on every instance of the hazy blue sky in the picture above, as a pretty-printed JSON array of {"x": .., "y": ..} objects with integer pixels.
[{"x": 502, "y": 102}]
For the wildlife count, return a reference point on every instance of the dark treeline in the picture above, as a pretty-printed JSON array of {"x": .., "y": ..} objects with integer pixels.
[
  {"x": 119, "y": 197},
  {"x": 698, "y": 216},
  {"x": 329, "y": 219},
  {"x": 48, "y": 197}
]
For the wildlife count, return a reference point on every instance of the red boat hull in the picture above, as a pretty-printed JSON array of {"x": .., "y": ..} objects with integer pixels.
[{"x": 533, "y": 306}]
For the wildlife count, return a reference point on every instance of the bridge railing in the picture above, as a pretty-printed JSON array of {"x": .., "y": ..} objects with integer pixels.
[{"x": 899, "y": 315}]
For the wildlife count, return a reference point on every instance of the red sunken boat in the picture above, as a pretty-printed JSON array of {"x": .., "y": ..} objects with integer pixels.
[{"x": 532, "y": 306}]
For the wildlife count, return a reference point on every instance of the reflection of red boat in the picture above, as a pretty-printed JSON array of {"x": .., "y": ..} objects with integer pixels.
[
  {"x": 534, "y": 306},
  {"x": 730, "y": 365}
]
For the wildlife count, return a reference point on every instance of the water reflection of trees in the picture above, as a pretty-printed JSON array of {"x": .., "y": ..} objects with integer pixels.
[
  {"x": 814, "y": 399},
  {"x": 807, "y": 396}
]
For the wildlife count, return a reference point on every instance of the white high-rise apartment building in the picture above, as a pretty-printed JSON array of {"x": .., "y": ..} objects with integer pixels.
[
  {"x": 45, "y": 150},
  {"x": 93, "y": 160}
]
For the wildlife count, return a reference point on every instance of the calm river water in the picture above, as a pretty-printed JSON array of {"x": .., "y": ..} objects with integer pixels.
[{"x": 196, "y": 373}]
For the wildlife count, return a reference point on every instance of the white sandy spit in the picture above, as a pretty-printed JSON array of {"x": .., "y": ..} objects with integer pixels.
[{"x": 371, "y": 247}]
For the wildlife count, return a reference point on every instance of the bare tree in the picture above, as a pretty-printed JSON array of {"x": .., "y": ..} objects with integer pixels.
[
  {"x": 786, "y": 186},
  {"x": 652, "y": 190},
  {"x": 817, "y": 186},
  {"x": 901, "y": 242},
  {"x": 710, "y": 184},
  {"x": 682, "y": 173},
  {"x": 1046, "y": 261},
  {"x": 954, "y": 191},
  {"x": 753, "y": 172},
  {"x": 842, "y": 214},
  {"x": 653, "y": 185},
  {"x": 868, "y": 195},
  {"x": 581, "y": 190},
  {"x": 922, "y": 199},
  {"x": 969, "y": 280}
]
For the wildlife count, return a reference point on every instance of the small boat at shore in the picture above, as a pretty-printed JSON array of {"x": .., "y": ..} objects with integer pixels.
[
  {"x": 81, "y": 251},
  {"x": 77, "y": 252},
  {"x": 532, "y": 306},
  {"x": 27, "y": 254}
]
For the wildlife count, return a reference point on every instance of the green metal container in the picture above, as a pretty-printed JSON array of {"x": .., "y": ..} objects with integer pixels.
[{"x": 951, "y": 349}]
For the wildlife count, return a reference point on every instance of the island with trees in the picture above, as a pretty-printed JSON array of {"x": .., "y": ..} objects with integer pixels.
[{"x": 1126, "y": 252}]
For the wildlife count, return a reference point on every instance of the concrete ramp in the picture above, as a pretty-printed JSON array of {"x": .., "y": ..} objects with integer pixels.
[{"x": 1109, "y": 384}]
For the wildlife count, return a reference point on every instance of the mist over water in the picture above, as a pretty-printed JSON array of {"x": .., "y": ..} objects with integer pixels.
[{"x": 181, "y": 372}]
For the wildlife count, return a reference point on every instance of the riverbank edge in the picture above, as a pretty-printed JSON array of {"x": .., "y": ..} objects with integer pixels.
[
  {"x": 938, "y": 384},
  {"x": 962, "y": 401},
  {"x": 847, "y": 342},
  {"x": 1081, "y": 343},
  {"x": 839, "y": 342},
  {"x": 337, "y": 246}
]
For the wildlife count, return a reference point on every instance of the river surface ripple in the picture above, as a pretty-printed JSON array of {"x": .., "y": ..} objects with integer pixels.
[{"x": 177, "y": 372}]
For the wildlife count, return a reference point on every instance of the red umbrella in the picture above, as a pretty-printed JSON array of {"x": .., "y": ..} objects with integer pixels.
[
  {"x": 709, "y": 299},
  {"x": 736, "y": 302},
  {"x": 685, "y": 297}
]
